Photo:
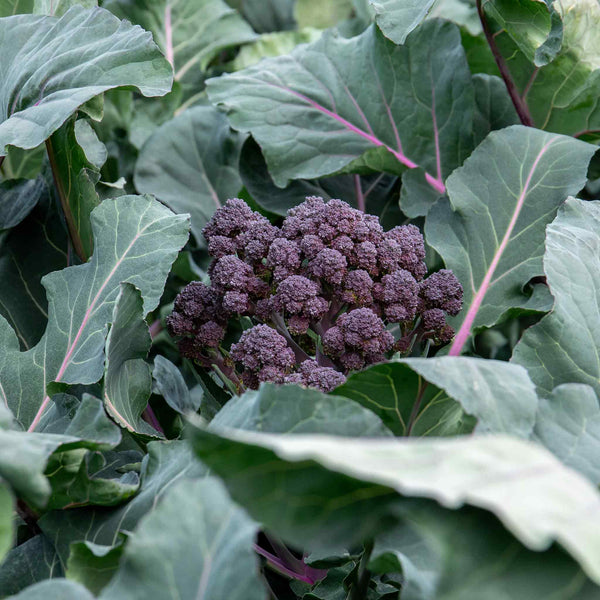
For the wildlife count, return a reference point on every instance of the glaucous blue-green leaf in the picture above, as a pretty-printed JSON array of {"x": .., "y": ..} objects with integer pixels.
[
  {"x": 406, "y": 402},
  {"x": 165, "y": 464},
  {"x": 294, "y": 409},
  {"x": 170, "y": 384},
  {"x": 536, "y": 497},
  {"x": 54, "y": 589},
  {"x": 376, "y": 193},
  {"x": 24, "y": 456},
  {"x": 36, "y": 247},
  {"x": 18, "y": 198},
  {"x": 397, "y": 18},
  {"x": 191, "y": 164},
  {"x": 189, "y": 32},
  {"x": 58, "y": 8},
  {"x": 127, "y": 376},
  {"x": 44, "y": 83},
  {"x": 6, "y": 519},
  {"x": 93, "y": 565},
  {"x": 31, "y": 561},
  {"x": 267, "y": 16},
  {"x": 568, "y": 424},
  {"x": 136, "y": 239},
  {"x": 491, "y": 232},
  {"x": 330, "y": 102},
  {"x": 322, "y": 14},
  {"x": 196, "y": 544},
  {"x": 563, "y": 346},
  {"x": 273, "y": 44},
  {"x": 444, "y": 556}
]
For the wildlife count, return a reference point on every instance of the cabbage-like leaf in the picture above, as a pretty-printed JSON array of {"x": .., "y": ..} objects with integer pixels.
[
  {"x": 563, "y": 346},
  {"x": 397, "y": 18},
  {"x": 491, "y": 232},
  {"x": 191, "y": 164},
  {"x": 52, "y": 66},
  {"x": 6, "y": 519},
  {"x": 344, "y": 491},
  {"x": 53, "y": 589},
  {"x": 196, "y": 544},
  {"x": 136, "y": 240},
  {"x": 330, "y": 102},
  {"x": 17, "y": 199}
]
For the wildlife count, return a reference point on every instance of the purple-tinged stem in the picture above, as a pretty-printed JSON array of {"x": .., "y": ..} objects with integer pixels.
[
  {"x": 520, "y": 105},
  {"x": 416, "y": 406},
  {"x": 169, "y": 54},
  {"x": 578, "y": 134},
  {"x": 155, "y": 329},
  {"x": 279, "y": 323},
  {"x": 150, "y": 417},
  {"x": 529, "y": 84},
  {"x": 360, "y": 198},
  {"x": 280, "y": 566}
]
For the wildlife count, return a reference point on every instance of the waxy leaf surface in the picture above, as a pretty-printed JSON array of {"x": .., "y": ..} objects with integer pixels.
[
  {"x": 325, "y": 105},
  {"x": 51, "y": 66},
  {"x": 136, "y": 240},
  {"x": 491, "y": 232}
]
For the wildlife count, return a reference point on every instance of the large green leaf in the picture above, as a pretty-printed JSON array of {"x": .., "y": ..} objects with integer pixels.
[
  {"x": 500, "y": 397},
  {"x": 267, "y": 15},
  {"x": 128, "y": 377},
  {"x": 58, "y": 8},
  {"x": 170, "y": 384},
  {"x": 491, "y": 232},
  {"x": 190, "y": 32},
  {"x": 191, "y": 164},
  {"x": 332, "y": 101},
  {"x": 343, "y": 490},
  {"x": 136, "y": 239},
  {"x": 8, "y": 8},
  {"x": 443, "y": 555},
  {"x": 397, "y": 18},
  {"x": 54, "y": 589},
  {"x": 51, "y": 66},
  {"x": 196, "y": 544},
  {"x": 17, "y": 199},
  {"x": 563, "y": 346},
  {"x": 322, "y": 13},
  {"x": 293, "y": 409},
  {"x": 165, "y": 464},
  {"x": 568, "y": 424}
]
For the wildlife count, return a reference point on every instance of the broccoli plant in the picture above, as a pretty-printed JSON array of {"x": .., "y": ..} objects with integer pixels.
[{"x": 328, "y": 292}]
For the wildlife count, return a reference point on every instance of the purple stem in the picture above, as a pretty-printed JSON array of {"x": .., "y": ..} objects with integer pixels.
[
  {"x": 360, "y": 198},
  {"x": 280, "y": 566},
  {"x": 169, "y": 55},
  {"x": 155, "y": 329},
  {"x": 520, "y": 105},
  {"x": 575, "y": 135},
  {"x": 149, "y": 416}
]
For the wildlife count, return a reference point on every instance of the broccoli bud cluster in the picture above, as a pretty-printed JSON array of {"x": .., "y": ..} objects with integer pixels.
[{"x": 324, "y": 290}]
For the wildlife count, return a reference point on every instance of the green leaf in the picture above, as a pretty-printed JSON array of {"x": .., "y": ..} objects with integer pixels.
[
  {"x": 38, "y": 246},
  {"x": 53, "y": 590},
  {"x": 23, "y": 164},
  {"x": 8, "y": 8},
  {"x": 58, "y": 8},
  {"x": 75, "y": 178},
  {"x": 273, "y": 44},
  {"x": 321, "y": 14},
  {"x": 267, "y": 15},
  {"x": 136, "y": 240},
  {"x": 24, "y": 456},
  {"x": 568, "y": 424},
  {"x": 293, "y": 409},
  {"x": 189, "y": 32},
  {"x": 562, "y": 347},
  {"x": 93, "y": 565},
  {"x": 105, "y": 54},
  {"x": 196, "y": 544},
  {"x": 397, "y": 18},
  {"x": 32, "y": 561},
  {"x": 170, "y": 384},
  {"x": 18, "y": 198},
  {"x": 343, "y": 490},
  {"x": 332, "y": 101},
  {"x": 444, "y": 556},
  {"x": 191, "y": 164},
  {"x": 392, "y": 390},
  {"x": 127, "y": 376},
  {"x": 6, "y": 519},
  {"x": 491, "y": 233},
  {"x": 165, "y": 464}
]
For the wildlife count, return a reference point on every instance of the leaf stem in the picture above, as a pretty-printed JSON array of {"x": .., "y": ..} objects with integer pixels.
[
  {"x": 73, "y": 232},
  {"x": 360, "y": 198},
  {"x": 359, "y": 589},
  {"x": 416, "y": 406},
  {"x": 519, "y": 103},
  {"x": 150, "y": 417}
]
